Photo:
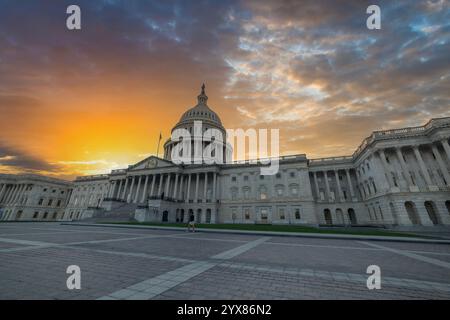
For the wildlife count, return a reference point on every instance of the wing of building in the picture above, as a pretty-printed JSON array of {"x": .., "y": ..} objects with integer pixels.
[{"x": 395, "y": 177}]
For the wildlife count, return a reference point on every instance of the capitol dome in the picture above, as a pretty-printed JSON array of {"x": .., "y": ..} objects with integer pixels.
[
  {"x": 201, "y": 112},
  {"x": 209, "y": 120}
]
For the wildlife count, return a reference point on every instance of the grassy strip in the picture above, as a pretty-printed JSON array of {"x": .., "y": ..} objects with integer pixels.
[{"x": 277, "y": 228}]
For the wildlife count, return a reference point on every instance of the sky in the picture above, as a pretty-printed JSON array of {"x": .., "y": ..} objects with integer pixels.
[{"x": 91, "y": 100}]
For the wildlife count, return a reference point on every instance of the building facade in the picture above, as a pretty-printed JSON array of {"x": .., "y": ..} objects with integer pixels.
[
  {"x": 395, "y": 178},
  {"x": 33, "y": 197}
]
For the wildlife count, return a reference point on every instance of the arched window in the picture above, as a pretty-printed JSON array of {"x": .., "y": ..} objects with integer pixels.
[
  {"x": 412, "y": 213},
  {"x": 432, "y": 212},
  {"x": 327, "y": 216}
]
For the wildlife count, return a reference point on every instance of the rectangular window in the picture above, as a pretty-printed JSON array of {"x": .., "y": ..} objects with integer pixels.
[
  {"x": 281, "y": 213},
  {"x": 247, "y": 213},
  {"x": 297, "y": 214}
]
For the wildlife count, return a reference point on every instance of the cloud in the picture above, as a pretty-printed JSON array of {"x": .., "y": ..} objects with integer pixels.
[
  {"x": 310, "y": 68},
  {"x": 18, "y": 160}
]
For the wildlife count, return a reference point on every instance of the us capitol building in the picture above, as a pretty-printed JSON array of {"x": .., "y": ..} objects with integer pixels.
[{"x": 395, "y": 178}]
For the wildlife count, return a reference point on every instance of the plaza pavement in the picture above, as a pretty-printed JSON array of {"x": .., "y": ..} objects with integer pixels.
[{"x": 133, "y": 263}]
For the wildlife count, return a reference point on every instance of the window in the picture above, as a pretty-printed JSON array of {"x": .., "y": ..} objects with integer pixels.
[
  {"x": 53, "y": 191},
  {"x": 278, "y": 175},
  {"x": 394, "y": 179},
  {"x": 247, "y": 213},
  {"x": 233, "y": 179},
  {"x": 62, "y": 192},
  {"x": 233, "y": 214},
  {"x": 50, "y": 202},
  {"x": 246, "y": 192},
  {"x": 45, "y": 189},
  {"x": 40, "y": 202},
  {"x": 297, "y": 214},
  {"x": 234, "y": 193},
  {"x": 45, "y": 215},
  {"x": 245, "y": 178},
  {"x": 292, "y": 174},
  {"x": 263, "y": 193},
  {"x": 35, "y": 215},
  {"x": 374, "y": 186},
  {"x": 279, "y": 189},
  {"x": 294, "y": 190},
  {"x": 58, "y": 204},
  {"x": 281, "y": 213}
]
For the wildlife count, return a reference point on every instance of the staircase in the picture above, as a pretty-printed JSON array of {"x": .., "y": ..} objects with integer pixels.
[{"x": 123, "y": 213}]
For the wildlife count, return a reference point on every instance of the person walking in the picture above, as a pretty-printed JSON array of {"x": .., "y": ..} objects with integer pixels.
[{"x": 191, "y": 224}]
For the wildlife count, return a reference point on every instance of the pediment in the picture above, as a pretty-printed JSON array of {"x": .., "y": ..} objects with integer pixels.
[{"x": 151, "y": 162}]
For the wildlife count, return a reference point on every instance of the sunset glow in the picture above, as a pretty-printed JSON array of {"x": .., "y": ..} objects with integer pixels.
[{"x": 88, "y": 101}]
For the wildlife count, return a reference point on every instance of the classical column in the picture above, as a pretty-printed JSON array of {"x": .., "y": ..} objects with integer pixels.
[
  {"x": 125, "y": 185},
  {"x": 205, "y": 191},
  {"x": 12, "y": 193},
  {"x": 327, "y": 185},
  {"x": 441, "y": 163},
  {"x": 130, "y": 193},
  {"x": 349, "y": 181},
  {"x": 7, "y": 193},
  {"x": 144, "y": 194},
  {"x": 22, "y": 192},
  {"x": 188, "y": 194},
  {"x": 446, "y": 147},
  {"x": 119, "y": 189},
  {"x": 153, "y": 185},
  {"x": 387, "y": 171},
  {"x": 2, "y": 191},
  {"x": 423, "y": 169},
  {"x": 138, "y": 188},
  {"x": 161, "y": 178},
  {"x": 166, "y": 192},
  {"x": 180, "y": 192},
  {"x": 214, "y": 189},
  {"x": 17, "y": 194},
  {"x": 405, "y": 170},
  {"x": 316, "y": 185},
  {"x": 111, "y": 189},
  {"x": 196, "y": 188},
  {"x": 175, "y": 186},
  {"x": 341, "y": 196}
]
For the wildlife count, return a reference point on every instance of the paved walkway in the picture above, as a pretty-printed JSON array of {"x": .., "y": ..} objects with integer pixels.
[{"x": 123, "y": 263}]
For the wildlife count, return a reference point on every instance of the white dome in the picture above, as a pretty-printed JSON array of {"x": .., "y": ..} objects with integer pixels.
[{"x": 201, "y": 112}]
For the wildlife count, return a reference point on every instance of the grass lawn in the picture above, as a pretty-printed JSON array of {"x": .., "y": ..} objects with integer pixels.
[{"x": 279, "y": 228}]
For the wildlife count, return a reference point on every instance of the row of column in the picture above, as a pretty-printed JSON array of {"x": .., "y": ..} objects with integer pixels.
[
  {"x": 338, "y": 184},
  {"x": 423, "y": 168},
  {"x": 11, "y": 193},
  {"x": 126, "y": 189}
]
